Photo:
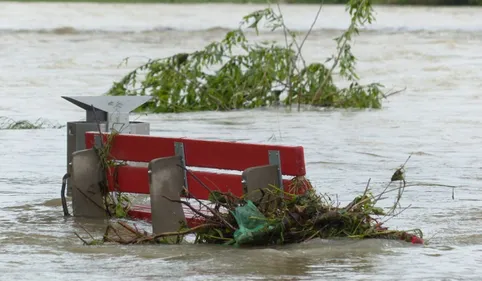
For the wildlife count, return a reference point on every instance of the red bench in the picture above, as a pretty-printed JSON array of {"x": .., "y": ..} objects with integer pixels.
[{"x": 220, "y": 155}]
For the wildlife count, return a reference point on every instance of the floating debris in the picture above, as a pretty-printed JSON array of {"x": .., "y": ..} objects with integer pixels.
[{"x": 277, "y": 218}]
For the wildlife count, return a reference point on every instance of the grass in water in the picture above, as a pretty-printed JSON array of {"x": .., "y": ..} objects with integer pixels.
[{"x": 7, "y": 123}]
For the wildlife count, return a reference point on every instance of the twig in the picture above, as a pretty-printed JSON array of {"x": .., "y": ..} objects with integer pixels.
[
  {"x": 81, "y": 239},
  {"x": 90, "y": 199},
  {"x": 386, "y": 187},
  {"x": 212, "y": 211},
  {"x": 290, "y": 61},
  {"x": 311, "y": 28},
  {"x": 345, "y": 39},
  {"x": 135, "y": 226},
  {"x": 406, "y": 161},
  {"x": 201, "y": 183},
  {"x": 402, "y": 186},
  {"x": 195, "y": 177},
  {"x": 189, "y": 205},
  {"x": 118, "y": 235},
  {"x": 312, "y": 236},
  {"x": 187, "y": 231},
  {"x": 394, "y": 215},
  {"x": 330, "y": 72},
  {"x": 213, "y": 183},
  {"x": 363, "y": 200},
  {"x": 393, "y": 93},
  {"x": 353, "y": 205},
  {"x": 178, "y": 233},
  {"x": 284, "y": 30},
  {"x": 367, "y": 188},
  {"x": 103, "y": 159},
  {"x": 383, "y": 192},
  {"x": 395, "y": 189},
  {"x": 90, "y": 235},
  {"x": 126, "y": 60},
  {"x": 298, "y": 47},
  {"x": 129, "y": 228},
  {"x": 106, "y": 237}
]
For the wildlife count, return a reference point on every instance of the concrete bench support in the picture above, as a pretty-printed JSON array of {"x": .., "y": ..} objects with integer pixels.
[
  {"x": 87, "y": 200},
  {"x": 166, "y": 179}
]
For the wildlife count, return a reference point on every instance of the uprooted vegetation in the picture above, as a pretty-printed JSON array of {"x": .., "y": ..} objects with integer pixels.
[
  {"x": 276, "y": 217},
  {"x": 237, "y": 73}
]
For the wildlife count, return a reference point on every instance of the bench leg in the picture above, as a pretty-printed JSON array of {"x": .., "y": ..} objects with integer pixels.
[
  {"x": 258, "y": 179},
  {"x": 166, "y": 178},
  {"x": 87, "y": 200}
]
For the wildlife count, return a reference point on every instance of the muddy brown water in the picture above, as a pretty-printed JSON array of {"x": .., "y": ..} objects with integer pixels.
[{"x": 49, "y": 50}]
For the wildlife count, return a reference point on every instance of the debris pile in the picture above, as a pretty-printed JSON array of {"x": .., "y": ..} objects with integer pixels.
[{"x": 277, "y": 218}]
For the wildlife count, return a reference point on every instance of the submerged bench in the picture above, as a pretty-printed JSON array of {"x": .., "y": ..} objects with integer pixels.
[{"x": 172, "y": 163}]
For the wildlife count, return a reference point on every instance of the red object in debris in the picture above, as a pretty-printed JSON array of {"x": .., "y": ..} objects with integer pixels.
[
  {"x": 416, "y": 240},
  {"x": 407, "y": 237}
]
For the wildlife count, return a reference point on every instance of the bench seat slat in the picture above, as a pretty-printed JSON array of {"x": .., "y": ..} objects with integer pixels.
[
  {"x": 204, "y": 153},
  {"x": 143, "y": 212},
  {"x": 133, "y": 179}
]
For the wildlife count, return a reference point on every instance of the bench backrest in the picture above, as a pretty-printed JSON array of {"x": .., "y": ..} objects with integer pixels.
[{"x": 221, "y": 155}]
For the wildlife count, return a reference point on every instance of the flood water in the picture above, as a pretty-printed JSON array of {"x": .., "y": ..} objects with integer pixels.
[{"x": 51, "y": 50}]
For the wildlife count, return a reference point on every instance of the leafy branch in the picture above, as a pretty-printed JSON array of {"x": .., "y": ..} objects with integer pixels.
[{"x": 235, "y": 73}]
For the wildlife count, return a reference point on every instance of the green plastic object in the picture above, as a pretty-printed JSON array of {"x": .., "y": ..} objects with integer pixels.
[{"x": 252, "y": 225}]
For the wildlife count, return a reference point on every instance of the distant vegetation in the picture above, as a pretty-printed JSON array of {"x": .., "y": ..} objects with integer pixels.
[
  {"x": 376, "y": 2},
  {"x": 7, "y": 123}
]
